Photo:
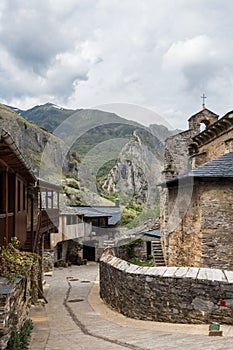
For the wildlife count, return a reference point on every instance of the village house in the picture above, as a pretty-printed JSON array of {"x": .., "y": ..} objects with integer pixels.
[
  {"x": 197, "y": 195},
  {"x": 29, "y": 210},
  {"x": 83, "y": 231}
]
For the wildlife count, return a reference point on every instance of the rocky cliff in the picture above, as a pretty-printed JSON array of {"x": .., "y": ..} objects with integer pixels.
[
  {"x": 137, "y": 171},
  {"x": 32, "y": 142}
]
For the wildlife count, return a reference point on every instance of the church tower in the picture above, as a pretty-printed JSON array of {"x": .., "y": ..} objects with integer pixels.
[{"x": 201, "y": 120}]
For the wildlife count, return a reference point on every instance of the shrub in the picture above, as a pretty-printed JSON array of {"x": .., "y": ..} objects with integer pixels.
[{"x": 20, "y": 338}]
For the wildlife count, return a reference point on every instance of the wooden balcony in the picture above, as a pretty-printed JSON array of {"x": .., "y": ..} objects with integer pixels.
[{"x": 48, "y": 222}]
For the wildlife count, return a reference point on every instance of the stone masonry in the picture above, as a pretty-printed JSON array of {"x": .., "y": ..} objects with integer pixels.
[
  {"x": 196, "y": 201},
  {"x": 15, "y": 301},
  {"x": 167, "y": 294}
]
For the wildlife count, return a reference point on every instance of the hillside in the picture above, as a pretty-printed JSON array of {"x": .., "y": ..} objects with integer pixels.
[
  {"x": 117, "y": 157},
  {"x": 31, "y": 140},
  {"x": 34, "y": 142},
  {"x": 91, "y": 126},
  {"x": 47, "y": 116}
]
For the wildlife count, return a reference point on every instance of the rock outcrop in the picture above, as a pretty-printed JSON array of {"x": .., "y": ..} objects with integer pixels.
[
  {"x": 33, "y": 141},
  {"x": 137, "y": 170}
]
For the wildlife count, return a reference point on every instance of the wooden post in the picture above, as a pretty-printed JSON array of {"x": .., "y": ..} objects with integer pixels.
[
  {"x": 46, "y": 199},
  {"x": 5, "y": 205}
]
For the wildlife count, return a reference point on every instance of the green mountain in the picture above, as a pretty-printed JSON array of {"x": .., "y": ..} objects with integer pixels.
[
  {"x": 90, "y": 126},
  {"x": 47, "y": 116},
  {"x": 118, "y": 157}
]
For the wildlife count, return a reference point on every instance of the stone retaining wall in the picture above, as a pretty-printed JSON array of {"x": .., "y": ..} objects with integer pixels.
[
  {"x": 14, "y": 306},
  {"x": 167, "y": 294}
]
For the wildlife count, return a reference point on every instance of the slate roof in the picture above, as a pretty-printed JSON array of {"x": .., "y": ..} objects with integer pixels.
[
  {"x": 153, "y": 233},
  {"x": 113, "y": 213},
  {"x": 6, "y": 287},
  {"x": 219, "y": 167}
]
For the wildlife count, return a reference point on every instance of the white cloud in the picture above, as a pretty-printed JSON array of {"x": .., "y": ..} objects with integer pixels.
[
  {"x": 80, "y": 53},
  {"x": 189, "y": 52}
]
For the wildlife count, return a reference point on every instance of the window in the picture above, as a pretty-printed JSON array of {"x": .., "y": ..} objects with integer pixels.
[
  {"x": 49, "y": 199},
  {"x": 71, "y": 220},
  {"x": 79, "y": 219}
]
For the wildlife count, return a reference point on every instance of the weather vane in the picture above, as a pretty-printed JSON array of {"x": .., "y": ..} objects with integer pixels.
[{"x": 203, "y": 100}]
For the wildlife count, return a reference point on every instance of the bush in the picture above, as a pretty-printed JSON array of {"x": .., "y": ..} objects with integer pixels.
[{"x": 20, "y": 338}]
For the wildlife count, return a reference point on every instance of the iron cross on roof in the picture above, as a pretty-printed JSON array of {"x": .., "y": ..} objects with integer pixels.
[{"x": 203, "y": 100}]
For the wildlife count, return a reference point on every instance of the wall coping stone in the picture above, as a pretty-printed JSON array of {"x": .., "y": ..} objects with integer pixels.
[
  {"x": 6, "y": 287},
  {"x": 199, "y": 273}
]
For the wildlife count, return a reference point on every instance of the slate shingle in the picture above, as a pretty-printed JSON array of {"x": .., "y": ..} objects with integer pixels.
[{"x": 219, "y": 167}]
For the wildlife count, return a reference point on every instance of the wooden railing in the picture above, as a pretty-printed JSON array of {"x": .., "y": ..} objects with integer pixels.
[{"x": 48, "y": 220}]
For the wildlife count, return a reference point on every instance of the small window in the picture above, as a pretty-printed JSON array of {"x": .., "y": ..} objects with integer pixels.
[
  {"x": 71, "y": 220},
  {"x": 50, "y": 199}
]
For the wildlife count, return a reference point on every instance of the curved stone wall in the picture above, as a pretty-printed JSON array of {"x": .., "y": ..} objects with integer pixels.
[{"x": 167, "y": 294}]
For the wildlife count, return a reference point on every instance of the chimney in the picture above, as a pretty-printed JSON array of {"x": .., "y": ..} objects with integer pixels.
[{"x": 117, "y": 202}]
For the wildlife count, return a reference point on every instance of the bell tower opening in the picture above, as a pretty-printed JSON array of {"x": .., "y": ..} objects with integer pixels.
[
  {"x": 202, "y": 120},
  {"x": 204, "y": 125}
]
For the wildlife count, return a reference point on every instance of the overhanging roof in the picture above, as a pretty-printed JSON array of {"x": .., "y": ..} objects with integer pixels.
[
  {"x": 221, "y": 167},
  {"x": 113, "y": 213},
  {"x": 12, "y": 157},
  {"x": 44, "y": 184}
]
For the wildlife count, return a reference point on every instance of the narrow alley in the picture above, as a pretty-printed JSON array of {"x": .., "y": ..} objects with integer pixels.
[{"x": 76, "y": 318}]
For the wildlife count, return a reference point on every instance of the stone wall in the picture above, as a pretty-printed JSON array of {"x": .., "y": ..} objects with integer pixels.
[
  {"x": 130, "y": 250},
  {"x": 203, "y": 237},
  {"x": 216, "y": 200},
  {"x": 196, "y": 217},
  {"x": 176, "y": 159},
  {"x": 215, "y": 148},
  {"x": 167, "y": 294},
  {"x": 14, "y": 306}
]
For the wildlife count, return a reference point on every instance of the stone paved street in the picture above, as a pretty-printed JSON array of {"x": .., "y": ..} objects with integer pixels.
[{"x": 76, "y": 318}]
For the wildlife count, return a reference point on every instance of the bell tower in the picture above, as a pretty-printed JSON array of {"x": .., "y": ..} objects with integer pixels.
[{"x": 203, "y": 118}]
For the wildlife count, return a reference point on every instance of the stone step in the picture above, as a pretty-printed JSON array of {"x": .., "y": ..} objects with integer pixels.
[{"x": 157, "y": 252}]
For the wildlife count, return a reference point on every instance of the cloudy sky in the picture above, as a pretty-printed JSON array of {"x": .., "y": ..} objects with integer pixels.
[{"x": 157, "y": 54}]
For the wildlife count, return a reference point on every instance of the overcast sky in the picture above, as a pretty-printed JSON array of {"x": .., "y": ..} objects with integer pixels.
[{"x": 157, "y": 54}]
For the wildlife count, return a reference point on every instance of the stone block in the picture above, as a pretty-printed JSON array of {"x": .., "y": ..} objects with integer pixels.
[
  {"x": 211, "y": 274},
  {"x": 181, "y": 272},
  {"x": 229, "y": 276},
  {"x": 170, "y": 271},
  {"x": 192, "y": 272}
]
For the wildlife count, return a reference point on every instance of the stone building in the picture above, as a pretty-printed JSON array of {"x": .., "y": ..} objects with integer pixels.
[{"x": 197, "y": 195}]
